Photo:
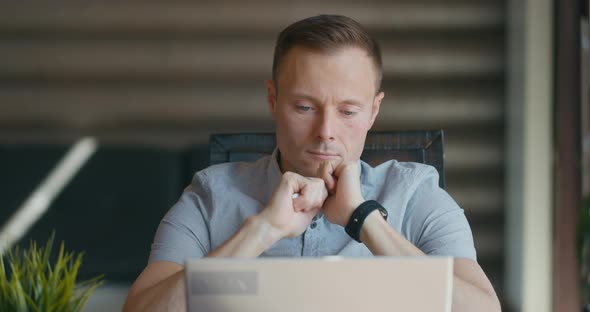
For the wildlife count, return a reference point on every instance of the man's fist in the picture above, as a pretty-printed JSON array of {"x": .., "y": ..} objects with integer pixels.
[
  {"x": 290, "y": 216},
  {"x": 344, "y": 185}
]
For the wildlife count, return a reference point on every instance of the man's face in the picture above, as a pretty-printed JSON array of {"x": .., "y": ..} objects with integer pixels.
[{"x": 325, "y": 105}]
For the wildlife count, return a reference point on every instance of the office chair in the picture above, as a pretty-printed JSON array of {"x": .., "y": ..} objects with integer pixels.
[{"x": 424, "y": 146}]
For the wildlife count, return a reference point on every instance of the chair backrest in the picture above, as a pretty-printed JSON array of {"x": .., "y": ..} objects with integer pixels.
[{"x": 424, "y": 146}]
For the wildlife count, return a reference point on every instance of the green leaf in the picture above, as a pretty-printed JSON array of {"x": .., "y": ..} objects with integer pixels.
[{"x": 30, "y": 281}]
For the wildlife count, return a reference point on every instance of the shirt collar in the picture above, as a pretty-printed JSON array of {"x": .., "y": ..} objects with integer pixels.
[{"x": 273, "y": 171}]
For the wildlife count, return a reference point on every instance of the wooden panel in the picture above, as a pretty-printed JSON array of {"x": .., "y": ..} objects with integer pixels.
[
  {"x": 169, "y": 73},
  {"x": 223, "y": 58},
  {"x": 231, "y": 16},
  {"x": 117, "y": 104}
]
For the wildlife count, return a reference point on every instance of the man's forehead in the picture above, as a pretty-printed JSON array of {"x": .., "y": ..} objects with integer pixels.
[
  {"x": 349, "y": 59},
  {"x": 302, "y": 64},
  {"x": 350, "y": 98},
  {"x": 349, "y": 52}
]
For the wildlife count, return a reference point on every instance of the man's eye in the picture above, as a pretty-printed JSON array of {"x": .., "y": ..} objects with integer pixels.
[
  {"x": 303, "y": 108},
  {"x": 348, "y": 113}
]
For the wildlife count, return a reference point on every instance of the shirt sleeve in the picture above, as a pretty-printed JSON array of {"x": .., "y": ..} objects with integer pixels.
[
  {"x": 435, "y": 221},
  {"x": 183, "y": 233}
]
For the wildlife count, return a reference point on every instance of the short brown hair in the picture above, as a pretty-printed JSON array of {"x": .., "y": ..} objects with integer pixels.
[{"x": 327, "y": 33}]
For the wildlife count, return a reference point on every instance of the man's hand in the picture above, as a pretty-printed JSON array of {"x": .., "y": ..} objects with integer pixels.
[
  {"x": 288, "y": 216},
  {"x": 344, "y": 185}
]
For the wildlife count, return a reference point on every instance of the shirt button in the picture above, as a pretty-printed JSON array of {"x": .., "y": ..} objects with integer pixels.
[{"x": 313, "y": 225}]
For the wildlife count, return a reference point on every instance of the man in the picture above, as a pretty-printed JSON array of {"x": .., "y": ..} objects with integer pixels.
[{"x": 324, "y": 97}]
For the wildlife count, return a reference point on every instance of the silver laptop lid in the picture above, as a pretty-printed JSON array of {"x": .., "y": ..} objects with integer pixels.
[{"x": 320, "y": 284}]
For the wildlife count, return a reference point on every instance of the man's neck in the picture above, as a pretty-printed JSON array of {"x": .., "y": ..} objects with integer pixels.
[{"x": 284, "y": 166}]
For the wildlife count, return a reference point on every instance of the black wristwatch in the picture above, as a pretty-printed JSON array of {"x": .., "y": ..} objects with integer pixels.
[{"x": 355, "y": 223}]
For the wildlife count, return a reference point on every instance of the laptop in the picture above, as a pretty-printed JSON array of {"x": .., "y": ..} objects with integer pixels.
[{"x": 320, "y": 284}]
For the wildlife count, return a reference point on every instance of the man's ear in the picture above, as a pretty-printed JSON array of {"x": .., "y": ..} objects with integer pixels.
[
  {"x": 375, "y": 108},
  {"x": 271, "y": 97}
]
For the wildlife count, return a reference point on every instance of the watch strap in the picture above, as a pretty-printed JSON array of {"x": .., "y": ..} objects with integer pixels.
[{"x": 355, "y": 223}]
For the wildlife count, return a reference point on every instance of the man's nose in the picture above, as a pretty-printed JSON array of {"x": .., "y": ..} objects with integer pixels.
[{"x": 325, "y": 127}]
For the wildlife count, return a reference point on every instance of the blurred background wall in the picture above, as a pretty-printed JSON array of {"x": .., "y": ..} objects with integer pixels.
[{"x": 166, "y": 74}]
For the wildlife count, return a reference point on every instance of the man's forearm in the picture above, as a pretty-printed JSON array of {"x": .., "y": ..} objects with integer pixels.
[
  {"x": 167, "y": 295},
  {"x": 382, "y": 240},
  {"x": 250, "y": 241},
  {"x": 253, "y": 238},
  {"x": 468, "y": 297}
]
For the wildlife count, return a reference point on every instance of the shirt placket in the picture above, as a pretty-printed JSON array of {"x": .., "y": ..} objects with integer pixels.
[{"x": 311, "y": 238}]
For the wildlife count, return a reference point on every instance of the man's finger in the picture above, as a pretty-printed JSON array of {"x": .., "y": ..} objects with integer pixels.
[
  {"x": 304, "y": 204},
  {"x": 299, "y": 203},
  {"x": 311, "y": 196},
  {"x": 325, "y": 172},
  {"x": 302, "y": 200}
]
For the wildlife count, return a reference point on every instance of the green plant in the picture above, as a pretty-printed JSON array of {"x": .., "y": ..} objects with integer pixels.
[{"x": 28, "y": 281}]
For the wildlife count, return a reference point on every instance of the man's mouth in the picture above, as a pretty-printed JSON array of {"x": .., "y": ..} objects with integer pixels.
[{"x": 322, "y": 155}]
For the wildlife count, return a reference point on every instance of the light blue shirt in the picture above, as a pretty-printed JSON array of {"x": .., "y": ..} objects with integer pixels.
[{"x": 220, "y": 198}]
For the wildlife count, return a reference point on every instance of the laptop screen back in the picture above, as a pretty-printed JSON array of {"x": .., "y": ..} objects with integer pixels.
[{"x": 320, "y": 284}]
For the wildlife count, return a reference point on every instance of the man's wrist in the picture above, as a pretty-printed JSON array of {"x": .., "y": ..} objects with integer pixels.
[
  {"x": 351, "y": 207},
  {"x": 373, "y": 219},
  {"x": 361, "y": 214},
  {"x": 264, "y": 232}
]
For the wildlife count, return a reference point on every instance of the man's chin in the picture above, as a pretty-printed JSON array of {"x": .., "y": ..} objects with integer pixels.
[
  {"x": 310, "y": 169},
  {"x": 308, "y": 172}
]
